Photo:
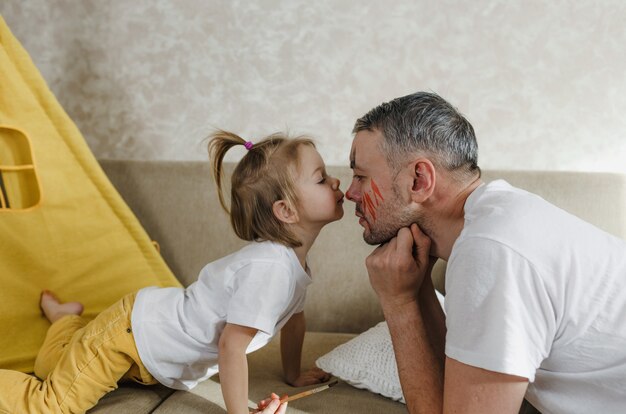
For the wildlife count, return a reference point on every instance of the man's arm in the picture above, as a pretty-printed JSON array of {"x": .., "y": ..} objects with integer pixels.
[
  {"x": 419, "y": 368},
  {"x": 465, "y": 390},
  {"x": 475, "y": 390},
  {"x": 396, "y": 276},
  {"x": 418, "y": 337},
  {"x": 434, "y": 317}
]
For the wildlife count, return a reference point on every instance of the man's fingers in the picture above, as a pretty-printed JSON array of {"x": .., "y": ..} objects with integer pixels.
[
  {"x": 417, "y": 232},
  {"x": 422, "y": 241},
  {"x": 404, "y": 238}
]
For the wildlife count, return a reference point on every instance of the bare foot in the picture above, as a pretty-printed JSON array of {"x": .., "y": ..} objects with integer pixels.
[{"x": 55, "y": 310}]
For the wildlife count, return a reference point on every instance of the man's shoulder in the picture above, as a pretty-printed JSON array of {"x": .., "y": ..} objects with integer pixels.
[
  {"x": 510, "y": 215},
  {"x": 501, "y": 197}
]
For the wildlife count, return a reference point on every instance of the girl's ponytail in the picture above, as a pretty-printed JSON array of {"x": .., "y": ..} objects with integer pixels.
[
  {"x": 263, "y": 176},
  {"x": 221, "y": 142}
]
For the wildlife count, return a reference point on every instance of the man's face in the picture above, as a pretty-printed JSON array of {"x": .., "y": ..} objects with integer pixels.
[{"x": 381, "y": 209}]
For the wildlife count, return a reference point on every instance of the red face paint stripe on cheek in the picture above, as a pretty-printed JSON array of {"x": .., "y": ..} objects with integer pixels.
[
  {"x": 370, "y": 205},
  {"x": 364, "y": 207},
  {"x": 368, "y": 201},
  {"x": 377, "y": 192}
]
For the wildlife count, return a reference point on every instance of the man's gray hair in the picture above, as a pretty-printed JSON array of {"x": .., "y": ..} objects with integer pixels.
[{"x": 424, "y": 122}]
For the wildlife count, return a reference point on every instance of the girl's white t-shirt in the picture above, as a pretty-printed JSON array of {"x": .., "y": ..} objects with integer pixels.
[
  {"x": 535, "y": 292},
  {"x": 177, "y": 330}
]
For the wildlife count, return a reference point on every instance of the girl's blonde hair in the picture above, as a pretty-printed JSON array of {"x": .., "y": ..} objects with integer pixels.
[{"x": 263, "y": 176}]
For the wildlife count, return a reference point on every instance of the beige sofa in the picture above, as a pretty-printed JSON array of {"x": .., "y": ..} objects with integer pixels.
[{"x": 176, "y": 203}]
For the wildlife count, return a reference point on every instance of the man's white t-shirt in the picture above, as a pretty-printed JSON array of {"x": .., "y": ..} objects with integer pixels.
[
  {"x": 177, "y": 330},
  {"x": 536, "y": 292}
]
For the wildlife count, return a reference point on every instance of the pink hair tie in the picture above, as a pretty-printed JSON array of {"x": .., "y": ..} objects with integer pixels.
[{"x": 248, "y": 145}]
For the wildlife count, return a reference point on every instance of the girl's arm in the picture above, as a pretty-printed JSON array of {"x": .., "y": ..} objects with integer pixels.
[
  {"x": 291, "y": 339},
  {"x": 233, "y": 366}
]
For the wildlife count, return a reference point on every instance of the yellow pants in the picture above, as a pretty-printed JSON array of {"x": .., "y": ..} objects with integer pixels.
[{"x": 77, "y": 365}]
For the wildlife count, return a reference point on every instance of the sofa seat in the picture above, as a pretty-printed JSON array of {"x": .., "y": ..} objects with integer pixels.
[{"x": 265, "y": 377}]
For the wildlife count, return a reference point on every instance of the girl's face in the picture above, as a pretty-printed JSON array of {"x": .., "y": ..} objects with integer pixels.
[{"x": 320, "y": 199}]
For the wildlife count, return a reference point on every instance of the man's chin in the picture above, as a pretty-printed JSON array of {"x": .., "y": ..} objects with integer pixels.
[
  {"x": 369, "y": 241},
  {"x": 367, "y": 233},
  {"x": 374, "y": 239}
]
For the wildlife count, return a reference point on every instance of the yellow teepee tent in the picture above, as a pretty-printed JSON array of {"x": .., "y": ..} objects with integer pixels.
[{"x": 63, "y": 226}]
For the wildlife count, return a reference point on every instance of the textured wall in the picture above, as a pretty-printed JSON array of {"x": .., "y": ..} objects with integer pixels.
[{"x": 544, "y": 83}]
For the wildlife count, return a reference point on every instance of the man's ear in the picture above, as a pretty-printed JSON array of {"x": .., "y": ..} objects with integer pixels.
[
  {"x": 424, "y": 179},
  {"x": 283, "y": 212}
]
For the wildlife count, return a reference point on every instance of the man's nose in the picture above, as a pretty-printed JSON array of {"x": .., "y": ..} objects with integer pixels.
[{"x": 352, "y": 194}]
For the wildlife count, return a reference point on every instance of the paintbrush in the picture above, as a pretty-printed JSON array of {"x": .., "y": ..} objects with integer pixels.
[
  {"x": 304, "y": 393},
  {"x": 309, "y": 392}
]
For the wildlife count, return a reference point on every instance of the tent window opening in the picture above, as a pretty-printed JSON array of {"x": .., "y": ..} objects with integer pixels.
[
  {"x": 19, "y": 186},
  {"x": 4, "y": 198}
]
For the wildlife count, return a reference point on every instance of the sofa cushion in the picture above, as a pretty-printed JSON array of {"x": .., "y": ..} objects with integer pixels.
[
  {"x": 265, "y": 371},
  {"x": 367, "y": 362},
  {"x": 132, "y": 398}
]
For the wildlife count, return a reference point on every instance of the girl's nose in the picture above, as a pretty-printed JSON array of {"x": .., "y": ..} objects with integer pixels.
[{"x": 335, "y": 184}]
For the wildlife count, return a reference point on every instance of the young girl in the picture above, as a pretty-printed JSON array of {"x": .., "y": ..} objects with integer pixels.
[{"x": 281, "y": 197}]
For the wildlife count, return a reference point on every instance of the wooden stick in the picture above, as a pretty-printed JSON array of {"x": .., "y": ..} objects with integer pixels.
[{"x": 309, "y": 392}]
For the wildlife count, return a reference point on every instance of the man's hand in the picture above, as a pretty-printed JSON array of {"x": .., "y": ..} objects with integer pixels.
[{"x": 397, "y": 268}]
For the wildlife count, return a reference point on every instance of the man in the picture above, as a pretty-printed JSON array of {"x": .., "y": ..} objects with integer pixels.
[{"x": 536, "y": 298}]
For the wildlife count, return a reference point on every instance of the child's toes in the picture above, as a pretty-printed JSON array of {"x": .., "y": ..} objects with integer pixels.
[{"x": 48, "y": 298}]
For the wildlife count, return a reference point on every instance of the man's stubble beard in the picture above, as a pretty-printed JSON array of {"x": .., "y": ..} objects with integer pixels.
[{"x": 391, "y": 217}]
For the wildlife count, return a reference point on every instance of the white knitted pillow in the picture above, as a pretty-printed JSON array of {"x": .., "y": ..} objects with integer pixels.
[{"x": 367, "y": 362}]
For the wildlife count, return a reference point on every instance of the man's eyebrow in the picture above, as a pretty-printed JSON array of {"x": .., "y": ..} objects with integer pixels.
[{"x": 352, "y": 157}]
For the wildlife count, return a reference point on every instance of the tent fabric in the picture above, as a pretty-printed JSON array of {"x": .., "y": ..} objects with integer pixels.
[{"x": 63, "y": 226}]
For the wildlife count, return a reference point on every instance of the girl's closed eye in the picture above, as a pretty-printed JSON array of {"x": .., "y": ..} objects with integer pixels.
[{"x": 321, "y": 180}]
